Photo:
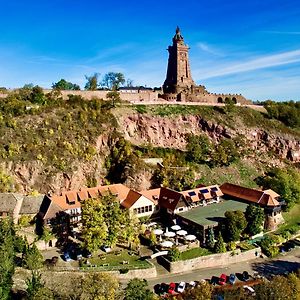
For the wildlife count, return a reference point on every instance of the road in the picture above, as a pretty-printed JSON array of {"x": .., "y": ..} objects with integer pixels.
[{"x": 266, "y": 267}]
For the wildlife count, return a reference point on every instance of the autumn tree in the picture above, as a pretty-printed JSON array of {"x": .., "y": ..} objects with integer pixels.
[
  {"x": 104, "y": 222},
  {"x": 255, "y": 217},
  {"x": 99, "y": 286},
  {"x": 203, "y": 291},
  {"x": 94, "y": 229},
  {"x": 137, "y": 289}
]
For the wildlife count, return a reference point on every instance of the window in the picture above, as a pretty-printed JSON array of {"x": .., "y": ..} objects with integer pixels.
[
  {"x": 150, "y": 207},
  {"x": 146, "y": 208},
  {"x": 142, "y": 209}
]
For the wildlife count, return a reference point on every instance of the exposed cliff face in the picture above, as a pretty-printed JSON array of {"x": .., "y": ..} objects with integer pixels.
[
  {"x": 142, "y": 129},
  {"x": 171, "y": 131}
]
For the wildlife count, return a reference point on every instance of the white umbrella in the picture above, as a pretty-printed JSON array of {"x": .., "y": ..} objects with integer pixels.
[
  {"x": 190, "y": 237},
  {"x": 158, "y": 232},
  {"x": 176, "y": 227},
  {"x": 169, "y": 234},
  {"x": 166, "y": 244},
  {"x": 182, "y": 232}
]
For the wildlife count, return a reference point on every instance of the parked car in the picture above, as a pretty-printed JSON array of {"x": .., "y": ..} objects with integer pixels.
[
  {"x": 66, "y": 256},
  {"x": 192, "y": 284},
  {"x": 78, "y": 256},
  {"x": 249, "y": 289},
  {"x": 86, "y": 253},
  {"x": 245, "y": 276},
  {"x": 181, "y": 287},
  {"x": 232, "y": 279},
  {"x": 214, "y": 280},
  {"x": 161, "y": 289},
  {"x": 223, "y": 279},
  {"x": 171, "y": 289}
]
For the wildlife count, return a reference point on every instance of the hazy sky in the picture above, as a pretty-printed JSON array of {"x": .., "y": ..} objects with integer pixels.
[{"x": 249, "y": 47}]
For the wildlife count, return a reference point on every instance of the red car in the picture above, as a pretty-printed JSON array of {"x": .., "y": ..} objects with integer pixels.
[
  {"x": 172, "y": 287},
  {"x": 223, "y": 279}
]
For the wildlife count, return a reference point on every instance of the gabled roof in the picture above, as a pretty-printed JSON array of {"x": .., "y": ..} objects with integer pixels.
[
  {"x": 152, "y": 194},
  {"x": 203, "y": 192},
  {"x": 8, "y": 201},
  {"x": 131, "y": 199},
  {"x": 263, "y": 198},
  {"x": 31, "y": 204},
  {"x": 71, "y": 199},
  {"x": 171, "y": 199}
]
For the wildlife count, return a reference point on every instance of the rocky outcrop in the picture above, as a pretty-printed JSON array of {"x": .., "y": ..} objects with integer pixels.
[{"x": 171, "y": 132}]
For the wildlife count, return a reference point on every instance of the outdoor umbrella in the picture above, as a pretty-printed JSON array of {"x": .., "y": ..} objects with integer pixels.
[
  {"x": 181, "y": 232},
  {"x": 166, "y": 244},
  {"x": 169, "y": 234},
  {"x": 176, "y": 227},
  {"x": 190, "y": 237},
  {"x": 158, "y": 232}
]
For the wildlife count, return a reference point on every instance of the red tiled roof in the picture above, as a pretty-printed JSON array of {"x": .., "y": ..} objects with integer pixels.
[
  {"x": 197, "y": 194},
  {"x": 264, "y": 198},
  {"x": 131, "y": 199},
  {"x": 152, "y": 194},
  {"x": 169, "y": 198}
]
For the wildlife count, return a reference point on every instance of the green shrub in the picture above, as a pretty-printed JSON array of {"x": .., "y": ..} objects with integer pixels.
[{"x": 174, "y": 254}]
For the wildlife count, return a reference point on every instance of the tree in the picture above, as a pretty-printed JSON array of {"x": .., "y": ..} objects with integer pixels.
[
  {"x": 174, "y": 254},
  {"x": 7, "y": 255},
  {"x": 37, "y": 95},
  {"x": 92, "y": 82},
  {"x": 94, "y": 229},
  {"x": 224, "y": 153},
  {"x": 235, "y": 224},
  {"x": 113, "y": 80},
  {"x": 255, "y": 217},
  {"x": 32, "y": 258},
  {"x": 137, "y": 289},
  {"x": 203, "y": 291},
  {"x": 220, "y": 246},
  {"x": 47, "y": 235},
  {"x": 210, "y": 241},
  {"x": 36, "y": 289},
  {"x": 198, "y": 148},
  {"x": 286, "y": 182},
  {"x": 6, "y": 183},
  {"x": 99, "y": 286},
  {"x": 279, "y": 288},
  {"x": 65, "y": 85},
  {"x": 114, "y": 98}
]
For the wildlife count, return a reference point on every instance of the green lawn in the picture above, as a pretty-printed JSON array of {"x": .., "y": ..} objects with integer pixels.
[
  {"x": 112, "y": 261},
  {"x": 292, "y": 217},
  {"x": 193, "y": 253}
]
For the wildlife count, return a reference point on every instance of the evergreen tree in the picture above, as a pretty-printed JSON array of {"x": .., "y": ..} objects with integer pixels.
[
  {"x": 7, "y": 255},
  {"x": 210, "y": 242},
  {"x": 32, "y": 258},
  {"x": 220, "y": 246}
]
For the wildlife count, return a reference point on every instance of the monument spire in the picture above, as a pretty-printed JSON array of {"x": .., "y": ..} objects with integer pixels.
[{"x": 179, "y": 76}]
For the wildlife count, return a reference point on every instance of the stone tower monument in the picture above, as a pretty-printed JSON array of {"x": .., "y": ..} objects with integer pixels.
[
  {"x": 179, "y": 84},
  {"x": 179, "y": 76}
]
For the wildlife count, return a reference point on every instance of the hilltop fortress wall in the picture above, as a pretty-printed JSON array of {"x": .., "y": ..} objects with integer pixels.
[{"x": 155, "y": 96}]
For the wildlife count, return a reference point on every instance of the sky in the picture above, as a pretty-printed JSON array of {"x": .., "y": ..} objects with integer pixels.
[{"x": 248, "y": 47}]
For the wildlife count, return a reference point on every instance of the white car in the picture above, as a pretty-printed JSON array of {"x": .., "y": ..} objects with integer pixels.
[
  {"x": 192, "y": 284},
  {"x": 249, "y": 289},
  {"x": 181, "y": 287}
]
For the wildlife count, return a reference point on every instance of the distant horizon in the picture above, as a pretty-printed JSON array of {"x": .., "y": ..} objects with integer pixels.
[{"x": 251, "y": 49}]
